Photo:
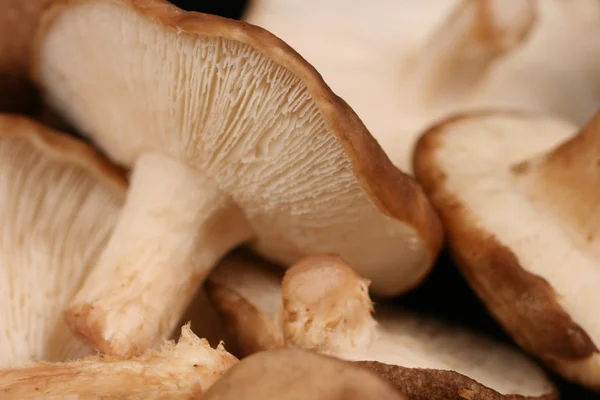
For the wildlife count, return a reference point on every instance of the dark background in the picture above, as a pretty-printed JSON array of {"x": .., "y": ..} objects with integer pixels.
[
  {"x": 445, "y": 294},
  {"x": 224, "y": 8}
]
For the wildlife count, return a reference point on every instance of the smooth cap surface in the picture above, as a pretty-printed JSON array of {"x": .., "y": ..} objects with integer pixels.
[{"x": 298, "y": 375}]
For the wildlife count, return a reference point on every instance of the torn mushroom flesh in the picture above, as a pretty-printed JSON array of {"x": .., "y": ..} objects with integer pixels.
[{"x": 185, "y": 369}]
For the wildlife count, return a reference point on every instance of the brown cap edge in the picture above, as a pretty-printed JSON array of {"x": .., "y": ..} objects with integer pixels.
[
  {"x": 524, "y": 303},
  {"x": 392, "y": 191},
  {"x": 64, "y": 148}
]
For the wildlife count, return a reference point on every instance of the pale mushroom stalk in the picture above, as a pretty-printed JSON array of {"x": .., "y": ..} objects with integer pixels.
[
  {"x": 176, "y": 225},
  {"x": 475, "y": 35},
  {"x": 183, "y": 370},
  {"x": 522, "y": 216},
  {"x": 326, "y": 308},
  {"x": 323, "y": 305}
]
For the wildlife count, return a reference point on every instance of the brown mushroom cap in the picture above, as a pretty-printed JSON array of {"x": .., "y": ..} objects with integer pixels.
[
  {"x": 519, "y": 197},
  {"x": 175, "y": 371},
  {"x": 226, "y": 128},
  {"x": 18, "y": 20},
  {"x": 59, "y": 201},
  {"x": 293, "y": 374},
  {"x": 324, "y": 306}
]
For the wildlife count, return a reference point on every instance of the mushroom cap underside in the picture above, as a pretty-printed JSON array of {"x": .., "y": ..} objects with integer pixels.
[
  {"x": 231, "y": 100},
  {"x": 59, "y": 203}
]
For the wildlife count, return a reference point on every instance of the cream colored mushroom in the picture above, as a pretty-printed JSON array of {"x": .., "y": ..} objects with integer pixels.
[
  {"x": 323, "y": 305},
  {"x": 518, "y": 195},
  {"x": 298, "y": 375},
  {"x": 233, "y": 138},
  {"x": 175, "y": 371},
  {"x": 59, "y": 201},
  {"x": 403, "y": 64}
]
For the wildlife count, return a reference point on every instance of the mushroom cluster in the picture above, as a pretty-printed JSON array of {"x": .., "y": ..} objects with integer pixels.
[
  {"x": 322, "y": 304},
  {"x": 217, "y": 175},
  {"x": 232, "y": 138}
]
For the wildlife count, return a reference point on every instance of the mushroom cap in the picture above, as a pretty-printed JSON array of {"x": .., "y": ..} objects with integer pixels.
[
  {"x": 424, "y": 357},
  {"x": 537, "y": 274},
  {"x": 18, "y": 20},
  {"x": 376, "y": 44},
  {"x": 292, "y": 374},
  {"x": 251, "y": 326},
  {"x": 185, "y": 369},
  {"x": 59, "y": 201},
  {"x": 235, "y": 102}
]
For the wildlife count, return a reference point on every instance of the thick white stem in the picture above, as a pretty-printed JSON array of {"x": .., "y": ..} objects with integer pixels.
[
  {"x": 469, "y": 41},
  {"x": 176, "y": 224},
  {"x": 326, "y": 307}
]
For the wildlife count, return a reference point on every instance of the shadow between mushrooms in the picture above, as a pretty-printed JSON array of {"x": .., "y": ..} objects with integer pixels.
[
  {"x": 233, "y": 138},
  {"x": 175, "y": 371},
  {"x": 323, "y": 305},
  {"x": 518, "y": 195},
  {"x": 58, "y": 206},
  {"x": 292, "y": 374},
  {"x": 402, "y": 64},
  {"x": 18, "y": 20}
]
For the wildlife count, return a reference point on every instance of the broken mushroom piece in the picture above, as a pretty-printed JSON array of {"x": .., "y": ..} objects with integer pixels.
[
  {"x": 323, "y": 305},
  {"x": 292, "y": 374},
  {"x": 233, "y": 138},
  {"x": 18, "y": 20},
  {"x": 518, "y": 194},
  {"x": 59, "y": 201},
  {"x": 175, "y": 371},
  {"x": 403, "y": 64}
]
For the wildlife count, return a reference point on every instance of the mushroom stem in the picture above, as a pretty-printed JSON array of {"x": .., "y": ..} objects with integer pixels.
[
  {"x": 176, "y": 224},
  {"x": 326, "y": 307},
  {"x": 184, "y": 370},
  {"x": 565, "y": 180},
  {"x": 475, "y": 35}
]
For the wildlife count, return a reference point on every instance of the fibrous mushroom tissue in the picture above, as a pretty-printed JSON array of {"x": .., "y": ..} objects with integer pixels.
[{"x": 325, "y": 200}]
